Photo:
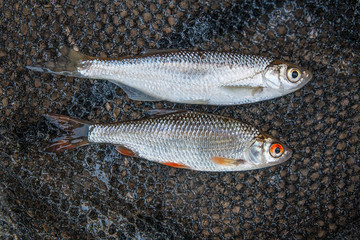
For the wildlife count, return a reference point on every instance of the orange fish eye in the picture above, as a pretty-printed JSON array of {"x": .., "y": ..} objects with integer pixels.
[{"x": 276, "y": 150}]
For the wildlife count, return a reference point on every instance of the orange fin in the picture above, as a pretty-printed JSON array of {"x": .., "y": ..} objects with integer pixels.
[
  {"x": 125, "y": 151},
  {"x": 227, "y": 161},
  {"x": 175, "y": 165}
]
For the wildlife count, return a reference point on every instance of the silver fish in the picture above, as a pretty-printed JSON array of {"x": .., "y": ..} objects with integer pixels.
[
  {"x": 181, "y": 139},
  {"x": 194, "y": 77}
]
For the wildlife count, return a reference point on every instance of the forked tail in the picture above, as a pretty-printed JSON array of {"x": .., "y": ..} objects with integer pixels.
[
  {"x": 67, "y": 64},
  {"x": 76, "y": 133}
]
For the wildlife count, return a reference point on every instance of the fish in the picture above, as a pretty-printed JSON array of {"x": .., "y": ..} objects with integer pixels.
[
  {"x": 186, "y": 76},
  {"x": 178, "y": 138}
]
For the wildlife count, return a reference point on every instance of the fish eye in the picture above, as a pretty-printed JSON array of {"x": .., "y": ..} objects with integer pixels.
[
  {"x": 276, "y": 150},
  {"x": 293, "y": 75}
]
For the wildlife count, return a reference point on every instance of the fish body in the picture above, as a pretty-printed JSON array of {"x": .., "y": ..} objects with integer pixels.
[
  {"x": 184, "y": 139},
  {"x": 183, "y": 76}
]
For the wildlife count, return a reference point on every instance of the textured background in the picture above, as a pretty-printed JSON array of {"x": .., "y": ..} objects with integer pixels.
[{"x": 93, "y": 192}]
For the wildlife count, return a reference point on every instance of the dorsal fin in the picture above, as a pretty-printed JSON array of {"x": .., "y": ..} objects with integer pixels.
[
  {"x": 159, "y": 51},
  {"x": 162, "y": 112}
]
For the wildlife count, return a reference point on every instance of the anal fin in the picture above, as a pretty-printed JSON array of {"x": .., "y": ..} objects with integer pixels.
[
  {"x": 125, "y": 151},
  {"x": 135, "y": 94},
  {"x": 175, "y": 165},
  {"x": 197, "y": 101}
]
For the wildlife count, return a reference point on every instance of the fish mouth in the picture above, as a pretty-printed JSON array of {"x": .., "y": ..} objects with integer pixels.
[
  {"x": 308, "y": 75},
  {"x": 287, "y": 155}
]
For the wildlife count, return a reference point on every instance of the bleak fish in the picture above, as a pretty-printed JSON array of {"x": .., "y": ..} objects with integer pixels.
[
  {"x": 180, "y": 139},
  {"x": 194, "y": 77}
]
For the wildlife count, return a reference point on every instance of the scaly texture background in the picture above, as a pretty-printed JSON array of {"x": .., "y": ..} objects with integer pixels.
[{"x": 93, "y": 192}]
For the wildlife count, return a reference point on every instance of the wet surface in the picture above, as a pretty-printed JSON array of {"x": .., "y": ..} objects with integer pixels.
[{"x": 93, "y": 192}]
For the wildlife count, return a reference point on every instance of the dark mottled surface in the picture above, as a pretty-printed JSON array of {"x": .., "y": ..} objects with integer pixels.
[{"x": 93, "y": 192}]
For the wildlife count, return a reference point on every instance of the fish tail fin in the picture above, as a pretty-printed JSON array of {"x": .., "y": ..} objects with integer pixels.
[
  {"x": 67, "y": 63},
  {"x": 76, "y": 133}
]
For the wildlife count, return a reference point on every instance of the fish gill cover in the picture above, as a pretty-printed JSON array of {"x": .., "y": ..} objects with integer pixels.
[{"x": 93, "y": 192}]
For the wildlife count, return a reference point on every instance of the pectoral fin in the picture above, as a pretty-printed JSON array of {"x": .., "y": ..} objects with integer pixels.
[
  {"x": 244, "y": 90},
  {"x": 227, "y": 161},
  {"x": 248, "y": 81},
  {"x": 248, "y": 84},
  {"x": 256, "y": 90}
]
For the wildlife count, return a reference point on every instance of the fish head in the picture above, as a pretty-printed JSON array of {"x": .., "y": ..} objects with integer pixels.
[
  {"x": 266, "y": 151},
  {"x": 285, "y": 76}
]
